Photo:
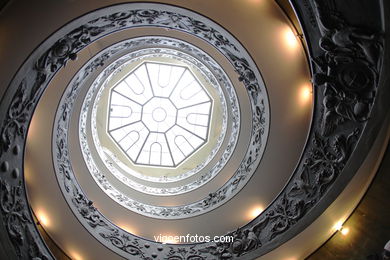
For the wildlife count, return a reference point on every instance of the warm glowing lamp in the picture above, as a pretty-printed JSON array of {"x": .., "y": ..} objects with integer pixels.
[
  {"x": 76, "y": 256},
  {"x": 290, "y": 39},
  {"x": 344, "y": 231},
  {"x": 42, "y": 219},
  {"x": 338, "y": 226},
  {"x": 127, "y": 228},
  {"x": 305, "y": 94},
  {"x": 255, "y": 212}
]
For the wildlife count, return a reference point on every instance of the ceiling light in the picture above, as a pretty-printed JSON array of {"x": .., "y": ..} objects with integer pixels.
[
  {"x": 42, "y": 219},
  {"x": 76, "y": 256},
  {"x": 344, "y": 231},
  {"x": 338, "y": 226},
  {"x": 290, "y": 38},
  {"x": 305, "y": 94},
  {"x": 127, "y": 228},
  {"x": 255, "y": 212}
]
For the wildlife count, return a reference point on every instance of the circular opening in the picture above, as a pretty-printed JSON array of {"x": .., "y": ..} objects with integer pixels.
[{"x": 159, "y": 114}]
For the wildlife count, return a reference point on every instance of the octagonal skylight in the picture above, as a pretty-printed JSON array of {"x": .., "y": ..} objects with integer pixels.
[{"x": 159, "y": 114}]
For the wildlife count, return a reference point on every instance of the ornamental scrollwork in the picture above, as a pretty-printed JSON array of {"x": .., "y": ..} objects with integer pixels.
[
  {"x": 348, "y": 69},
  {"x": 347, "y": 73},
  {"x": 320, "y": 169},
  {"x": 17, "y": 220},
  {"x": 346, "y": 76}
]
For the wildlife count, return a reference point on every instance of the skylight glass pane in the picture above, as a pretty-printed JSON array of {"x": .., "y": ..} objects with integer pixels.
[
  {"x": 195, "y": 118},
  {"x": 123, "y": 111},
  {"x": 188, "y": 92},
  {"x": 182, "y": 142},
  {"x": 164, "y": 78},
  {"x": 138, "y": 85},
  {"x": 131, "y": 138}
]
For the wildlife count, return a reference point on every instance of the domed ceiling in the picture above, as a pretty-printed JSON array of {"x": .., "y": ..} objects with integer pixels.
[{"x": 189, "y": 131}]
